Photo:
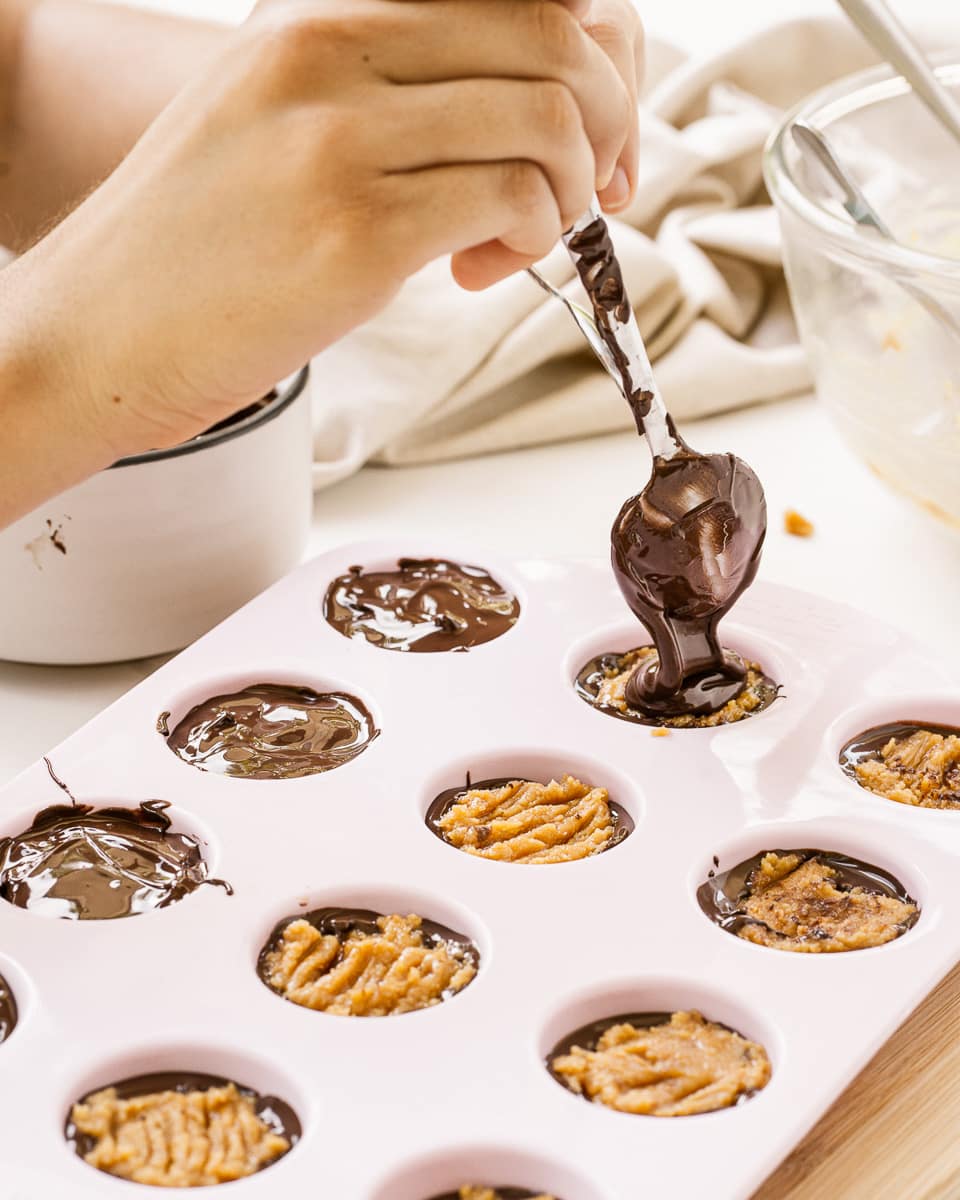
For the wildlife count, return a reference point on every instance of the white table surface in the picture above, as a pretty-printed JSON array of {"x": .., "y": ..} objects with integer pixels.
[{"x": 871, "y": 549}]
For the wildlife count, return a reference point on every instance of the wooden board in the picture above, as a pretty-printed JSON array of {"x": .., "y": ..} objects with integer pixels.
[{"x": 893, "y": 1134}]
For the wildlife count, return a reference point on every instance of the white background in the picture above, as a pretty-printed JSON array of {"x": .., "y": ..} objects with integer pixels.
[{"x": 871, "y": 549}]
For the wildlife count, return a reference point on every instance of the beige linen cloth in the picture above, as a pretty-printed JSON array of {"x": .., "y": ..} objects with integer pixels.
[{"x": 442, "y": 373}]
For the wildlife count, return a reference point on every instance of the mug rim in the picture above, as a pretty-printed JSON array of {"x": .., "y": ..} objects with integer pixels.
[{"x": 287, "y": 392}]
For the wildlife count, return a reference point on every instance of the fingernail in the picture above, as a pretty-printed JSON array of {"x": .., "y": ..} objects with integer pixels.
[{"x": 617, "y": 191}]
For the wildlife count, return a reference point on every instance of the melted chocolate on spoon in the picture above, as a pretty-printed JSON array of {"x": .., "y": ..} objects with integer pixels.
[
  {"x": 8, "y": 1010},
  {"x": 722, "y": 894},
  {"x": 272, "y": 731},
  {"x": 83, "y": 863},
  {"x": 427, "y": 604},
  {"x": 277, "y": 1114},
  {"x": 688, "y": 545}
]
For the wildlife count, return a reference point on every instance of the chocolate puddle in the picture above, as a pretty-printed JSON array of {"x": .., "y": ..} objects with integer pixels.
[
  {"x": 623, "y": 822},
  {"x": 426, "y": 605},
  {"x": 275, "y": 1113},
  {"x": 870, "y": 742},
  {"x": 720, "y": 896},
  {"x": 688, "y": 545},
  {"x": 82, "y": 863},
  {"x": 8, "y": 1010},
  {"x": 341, "y": 922},
  {"x": 272, "y": 731}
]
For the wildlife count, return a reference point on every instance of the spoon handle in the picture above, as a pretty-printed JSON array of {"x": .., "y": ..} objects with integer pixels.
[
  {"x": 812, "y": 141},
  {"x": 637, "y": 371},
  {"x": 886, "y": 34}
]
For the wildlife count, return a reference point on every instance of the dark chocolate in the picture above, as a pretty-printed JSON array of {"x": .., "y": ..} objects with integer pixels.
[
  {"x": 722, "y": 893},
  {"x": 235, "y": 418},
  {"x": 8, "y": 1010},
  {"x": 83, "y": 863},
  {"x": 426, "y": 605},
  {"x": 587, "y": 1037},
  {"x": 341, "y": 922},
  {"x": 622, "y": 821},
  {"x": 698, "y": 694},
  {"x": 870, "y": 742},
  {"x": 275, "y": 1113},
  {"x": 273, "y": 731},
  {"x": 684, "y": 548}
]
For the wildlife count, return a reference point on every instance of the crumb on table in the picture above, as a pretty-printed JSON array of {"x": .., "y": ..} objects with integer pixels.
[{"x": 797, "y": 524}]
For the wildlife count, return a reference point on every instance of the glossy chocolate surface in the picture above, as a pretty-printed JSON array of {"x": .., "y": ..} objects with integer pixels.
[
  {"x": 8, "y": 1010},
  {"x": 698, "y": 694},
  {"x": 870, "y": 742},
  {"x": 623, "y": 822},
  {"x": 425, "y": 605},
  {"x": 721, "y": 895},
  {"x": 684, "y": 548},
  {"x": 341, "y": 922},
  {"x": 272, "y": 731},
  {"x": 84, "y": 863},
  {"x": 275, "y": 1113}
]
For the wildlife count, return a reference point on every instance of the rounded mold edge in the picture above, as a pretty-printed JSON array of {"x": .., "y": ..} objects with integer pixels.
[{"x": 485, "y": 1164}]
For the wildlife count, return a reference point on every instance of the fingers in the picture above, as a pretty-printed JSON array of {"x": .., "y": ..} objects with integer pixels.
[
  {"x": 481, "y": 266},
  {"x": 434, "y": 41},
  {"x": 615, "y": 27},
  {"x": 448, "y": 209},
  {"x": 489, "y": 120}
]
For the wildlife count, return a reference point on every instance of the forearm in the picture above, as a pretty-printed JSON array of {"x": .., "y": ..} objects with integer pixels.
[{"x": 80, "y": 82}]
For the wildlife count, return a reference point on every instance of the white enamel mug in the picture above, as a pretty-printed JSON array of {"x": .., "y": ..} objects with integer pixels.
[{"x": 146, "y": 556}]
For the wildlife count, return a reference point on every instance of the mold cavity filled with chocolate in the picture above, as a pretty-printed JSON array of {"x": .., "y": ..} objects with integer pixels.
[
  {"x": 85, "y": 863},
  {"x": 660, "y": 1064},
  {"x": 426, "y": 604},
  {"x": 809, "y": 901},
  {"x": 481, "y": 1192},
  {"x": 358, "y": 963},
  {"x": 604, "y": 683},
  {"x": 272, "y": 731},
  {"x": 8, "y": 1010},
  {"x": 522, "y": 821},
  {"x": 180, "y": 1129},
  {"x": 912, "y": 762}
]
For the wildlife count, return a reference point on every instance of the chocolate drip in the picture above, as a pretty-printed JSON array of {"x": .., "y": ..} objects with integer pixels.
[
  {"x": 84, "y": 864},
  {"x": 273, "y": 731},
  {"x": 687, "y": 546},
  {"x": 870, "y": 742},
  {"x": 427, "y": 604},
  {"x": 341, "y": 922},
  {"x": 441, "y": 804},
  {"x": 275, "y": 1113},
  {"x": 8, "y": 1010},
  {"x": 722, "y": 894}
]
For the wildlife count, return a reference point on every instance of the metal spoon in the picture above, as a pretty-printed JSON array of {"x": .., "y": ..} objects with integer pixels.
[
  {"x": 585, "y": 322},
  {"x": 813, "y": 141},
  {"x": 888, "y": 36}
]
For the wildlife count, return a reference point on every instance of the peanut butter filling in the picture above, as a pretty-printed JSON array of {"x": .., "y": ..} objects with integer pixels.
[
  {"x": 527, "y": 822},
  {"x": 683, "y": 1066},
  {"x": 394, "y": 970},
  {"x": 757, "y": 693},
  {"x": 468, "y": 1192},
  {"x": 796, "y": 904},
  {"x": 922, "y": 770},
  {"x": 177, "y": 1139}
]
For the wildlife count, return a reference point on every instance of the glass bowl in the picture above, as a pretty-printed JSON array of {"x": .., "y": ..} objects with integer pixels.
[{"x": 887, "y": 370}]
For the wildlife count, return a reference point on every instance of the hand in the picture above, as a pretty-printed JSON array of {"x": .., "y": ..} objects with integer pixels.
[
  {"x": 283, "y": 197},
  {"x": 615, "y": 26}
]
